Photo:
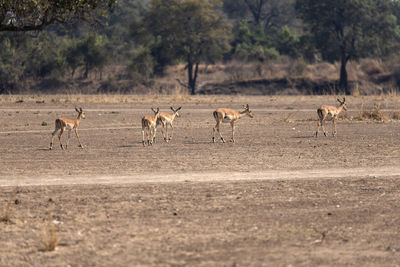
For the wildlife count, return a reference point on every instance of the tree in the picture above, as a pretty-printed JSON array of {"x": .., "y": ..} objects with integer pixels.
[
  {"x": 94, "y": 53},
  {"x": 33, "y": 15},
  {"x": 252, "y": 45},
  {"x": 287, "y": 43},
  {"x": 192, "y": 31},
  {"x": 267, "y": 14},
  {"x": 349, "y": 29}
]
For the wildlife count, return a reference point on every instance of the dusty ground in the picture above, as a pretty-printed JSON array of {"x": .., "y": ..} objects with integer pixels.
[{"x": 277, "y": 197}]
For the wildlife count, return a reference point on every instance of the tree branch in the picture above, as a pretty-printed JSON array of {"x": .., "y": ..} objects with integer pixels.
[{"x": 182, "y": 83}]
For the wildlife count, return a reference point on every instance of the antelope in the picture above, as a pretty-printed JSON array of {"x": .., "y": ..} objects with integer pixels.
[
  {"x": 164, "y": 119},
  {"x": 62, "y": 124},
  {"x": 324, "y": 111},
  {"x": 222, "y": 115},
  {"x": 149, "y": 124}
]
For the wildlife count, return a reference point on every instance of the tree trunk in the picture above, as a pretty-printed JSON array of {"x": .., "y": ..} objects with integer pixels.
[
  {"x": 192, "y": 76},
  {"x": 86, "y": 74},
  {"x": 343, "y": 84}
]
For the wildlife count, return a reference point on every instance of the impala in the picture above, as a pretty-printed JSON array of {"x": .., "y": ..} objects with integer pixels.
[
  {"x": 324, "y": 111},
  {"x": 149, "y": 124},
  {"x": 222, "y": 115},
  {"x": 166, "y": 119},
  {"x": 63, "y": 124}
]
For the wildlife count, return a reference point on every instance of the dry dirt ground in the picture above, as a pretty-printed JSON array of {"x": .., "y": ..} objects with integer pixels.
[{"x": 277, "y": 197}]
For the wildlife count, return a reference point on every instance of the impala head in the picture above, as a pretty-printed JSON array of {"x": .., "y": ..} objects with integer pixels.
[
  {"x": 81, "y": 114},
  {"x": 156, "y": 112},
  {"x": 248, "y": 111},
  {"x": 342, "y": 103},
  {"x": 176, "y": 111}
]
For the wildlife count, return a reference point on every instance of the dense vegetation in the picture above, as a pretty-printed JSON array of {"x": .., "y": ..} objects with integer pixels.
[{"x": 46, "y": 46}]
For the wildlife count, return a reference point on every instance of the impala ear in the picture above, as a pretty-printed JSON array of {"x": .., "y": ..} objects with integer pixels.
[
  {"x": 247, "y": 106},
  {"x": 76, "y": 109},
  {"x": 344, "y": 99},
  {"x": 339, "y": 100},
  {"x": 153, "y": 110},
  {"x": 81, "y": 109},
  {"x": 172, "y": 109},
  {"x": 179, "y": 108},
  {"x": 158, "y": 109}
]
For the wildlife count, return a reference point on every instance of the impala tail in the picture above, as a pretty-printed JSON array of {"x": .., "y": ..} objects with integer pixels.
[
  {"x": 319, "y": 111},
  {"x": 215, "y": 113}
]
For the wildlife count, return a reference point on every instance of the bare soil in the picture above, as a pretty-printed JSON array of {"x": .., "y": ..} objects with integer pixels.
[{"x": 278, "y": 196}]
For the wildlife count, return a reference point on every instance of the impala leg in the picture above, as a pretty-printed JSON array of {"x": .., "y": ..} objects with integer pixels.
[
  {"x": 220, "y": 135},
  {"x": 166, "y": 133},
  {"x": 318, "y": 126},
  {"x": 153, "y": 139},
  {"x": 143, "y": 136},
  {"x": 149, "y": 136},
  {"x": 213, "y": 136},
  {"x": 68, "y": 136},
  {"x": 59, "y": 137},
  {"x": 163, "y": 130},
  {"x": 233, "y": 132},
  {"x": 323, "y": 127},
  {"x": 334, "y": 126},
  {"x": 52, "y": 138},
  {"x": 172, "y": 131},
  {"x": 77, "y": 135},
  {"x": 148, "y": 133}
]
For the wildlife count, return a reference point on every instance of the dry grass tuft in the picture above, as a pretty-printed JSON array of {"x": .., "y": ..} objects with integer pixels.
[
  {"x": 289, "y": 118},
  {"x": 371, "y": 67},
  {"x": 49, "y": 237},
  {"x": 395, "y": 115},
  {"x": 323, "y": 70},
  {"x": 6, "y": 217},
  {"x": 375, "y": 114}
]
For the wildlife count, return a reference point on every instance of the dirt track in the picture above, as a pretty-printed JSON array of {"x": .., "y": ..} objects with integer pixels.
[{"x": 277, "y": 196}]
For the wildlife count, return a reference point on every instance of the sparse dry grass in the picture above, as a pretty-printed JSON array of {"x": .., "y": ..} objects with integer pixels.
[
  {"x": 395, "y": 115},
  {"x": 119, "y": 98},
  {"x": 375, "y": 114},
  {"x": 49, "y": 237},
  {"x": 372, "y": 76},
  {"x": 6, "y": 216}
]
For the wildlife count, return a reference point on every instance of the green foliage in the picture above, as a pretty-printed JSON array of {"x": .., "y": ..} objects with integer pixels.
[
  {"x": 142, "y": 62},
  {"x": 252, "y": 45},
  {"x": 349, "y": 29},
  {"x": 146, "y": 36},
  {"x": 191, "y": 31},
  {"x": 287, "y": 43},
  {"x": 33, "y": 15},
  {"x": 94, "y": 53},
  {"x": 267, "y": 14},
  {"x": 357, "y": 28},
  {"x": 45, "y": 57}
]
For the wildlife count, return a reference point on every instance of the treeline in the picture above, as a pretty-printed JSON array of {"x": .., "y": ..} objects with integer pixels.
[{"x": 139, "y": 39}]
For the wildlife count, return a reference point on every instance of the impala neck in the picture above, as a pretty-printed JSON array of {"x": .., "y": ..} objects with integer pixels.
[
  {"x": 340, "y": 108},
  {"x": 242, "y": 114},
  {"x": 78, "y": 119},
  {"x": 173, "y": 116}
]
